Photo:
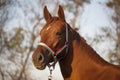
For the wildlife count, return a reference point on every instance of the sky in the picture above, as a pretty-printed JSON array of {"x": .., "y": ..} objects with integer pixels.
[{"x": 95, "y": 16}]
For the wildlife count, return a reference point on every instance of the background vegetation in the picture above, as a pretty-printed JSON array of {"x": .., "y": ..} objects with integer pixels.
[{"x": 18, "y": 43}]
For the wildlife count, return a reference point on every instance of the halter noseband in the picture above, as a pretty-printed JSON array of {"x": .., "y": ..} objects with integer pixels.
[{"x": 54, "y": 54}]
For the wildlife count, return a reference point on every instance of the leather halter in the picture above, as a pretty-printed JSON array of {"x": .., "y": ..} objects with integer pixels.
[{"x": 55, "y": 54}]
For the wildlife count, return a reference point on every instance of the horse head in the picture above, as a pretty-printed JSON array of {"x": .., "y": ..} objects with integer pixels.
[{"x": 54, "y": 40}]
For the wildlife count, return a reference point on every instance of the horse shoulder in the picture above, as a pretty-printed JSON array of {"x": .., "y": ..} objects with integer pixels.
[{"x": 109, "y": 73}]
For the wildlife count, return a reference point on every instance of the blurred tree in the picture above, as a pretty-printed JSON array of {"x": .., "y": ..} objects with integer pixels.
[
  {"x": 18, "y": 44},
  {"x": 4, "y": 11},
  {"x": 11, "y": 45},
  {"x": 110, "y": 34},
  {"x": 76, "y": 9},
  {"x": 115, "y": 4}
]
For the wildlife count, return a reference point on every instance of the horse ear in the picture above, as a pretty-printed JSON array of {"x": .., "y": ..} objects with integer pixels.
[
  {"x": 61, "y": 13},
  {"x": 47, "y": 15}
]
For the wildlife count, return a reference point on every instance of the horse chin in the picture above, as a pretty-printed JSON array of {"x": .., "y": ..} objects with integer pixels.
[{"x": 42, "y": 67}]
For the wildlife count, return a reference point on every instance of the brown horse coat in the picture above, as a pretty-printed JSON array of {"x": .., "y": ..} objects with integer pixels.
[{"x": 81, "y": 62}]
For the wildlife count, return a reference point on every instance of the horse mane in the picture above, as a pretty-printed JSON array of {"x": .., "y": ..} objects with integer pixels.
[{"x": 92, "y": 54}]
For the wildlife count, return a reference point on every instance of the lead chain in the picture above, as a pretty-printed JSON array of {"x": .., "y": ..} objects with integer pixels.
[{"x": 50, "y": 76}]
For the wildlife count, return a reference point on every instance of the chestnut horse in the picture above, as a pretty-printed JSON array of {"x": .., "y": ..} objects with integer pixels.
[{"x": 77, "y": 60}]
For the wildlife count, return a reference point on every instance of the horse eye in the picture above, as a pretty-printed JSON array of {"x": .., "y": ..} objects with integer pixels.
[{"x": 58, "y": 33}]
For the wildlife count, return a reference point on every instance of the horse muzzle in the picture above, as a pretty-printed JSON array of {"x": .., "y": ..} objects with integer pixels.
[
  {"x": 39, "y": 61},
  {"x": 40, "y": 67}
]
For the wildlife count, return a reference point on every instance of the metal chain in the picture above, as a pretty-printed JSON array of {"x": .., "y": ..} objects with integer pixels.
[{"x": 50, "y": 76}]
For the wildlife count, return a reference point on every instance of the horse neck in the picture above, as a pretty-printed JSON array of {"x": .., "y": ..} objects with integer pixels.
[
  {"x": 79, "y": 52},
  {"x": 87, "y": 52},
  {"x": 79, "y": 49}
]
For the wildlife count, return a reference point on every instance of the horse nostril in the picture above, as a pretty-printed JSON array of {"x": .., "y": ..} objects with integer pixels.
[{"x": 40, "y": 58}]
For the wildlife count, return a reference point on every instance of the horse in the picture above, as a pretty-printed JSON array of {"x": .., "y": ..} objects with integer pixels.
[{"x": 77, "y": 60}]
